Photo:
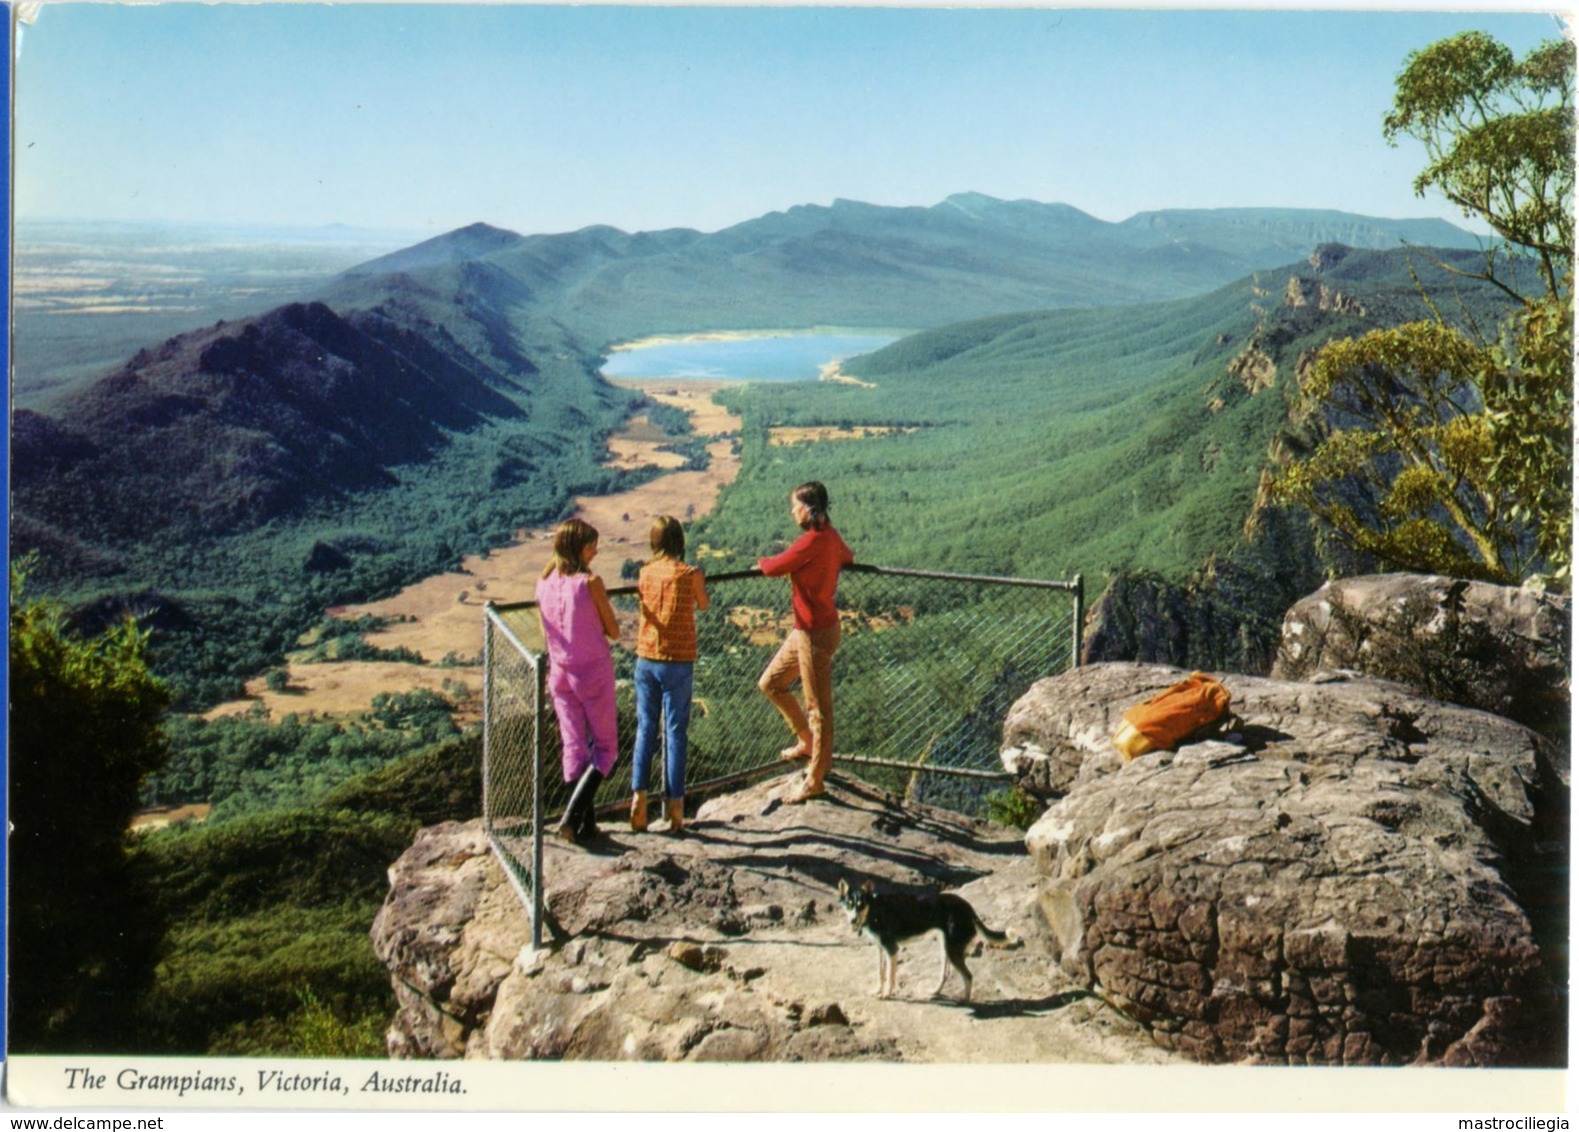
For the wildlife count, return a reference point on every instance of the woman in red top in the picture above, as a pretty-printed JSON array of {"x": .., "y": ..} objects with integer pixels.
[{"x": 812, "y": 562}]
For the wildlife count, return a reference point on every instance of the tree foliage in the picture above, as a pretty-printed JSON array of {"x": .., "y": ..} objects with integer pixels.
[
  {"x": 1528, "y": 393},
  {"x": 85, "y": 731},
  {"x": 266, "y": 917},
  {"x": 1499, "y": 138},
  {"x": 1443, "y": 453},
  {"x": 247, "y": 764}
]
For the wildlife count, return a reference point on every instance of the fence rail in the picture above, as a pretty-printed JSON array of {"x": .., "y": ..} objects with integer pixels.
[{"x": 928, "y": 665}]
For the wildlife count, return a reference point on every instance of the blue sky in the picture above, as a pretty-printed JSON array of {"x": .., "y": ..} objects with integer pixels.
[{"x": 547, "y": 119}]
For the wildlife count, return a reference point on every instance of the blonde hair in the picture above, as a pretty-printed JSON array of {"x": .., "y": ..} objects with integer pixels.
[
  {"x": 667, "y": 538},
  {"x": 571, "y": 539}
]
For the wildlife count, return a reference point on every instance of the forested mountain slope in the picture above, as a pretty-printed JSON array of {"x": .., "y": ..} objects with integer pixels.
[
  {"x": 230, "y": 427},
  {"x": 1102, "y": 442},
  {"x": 239, "y": 479}
]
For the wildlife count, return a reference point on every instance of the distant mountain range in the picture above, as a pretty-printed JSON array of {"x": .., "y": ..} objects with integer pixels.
[{"x": 854, "y": 264}]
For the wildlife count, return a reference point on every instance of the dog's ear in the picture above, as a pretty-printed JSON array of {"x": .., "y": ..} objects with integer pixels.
[
  {"x": 868, "y": 887},
  {"x": 844, "y": 888}
]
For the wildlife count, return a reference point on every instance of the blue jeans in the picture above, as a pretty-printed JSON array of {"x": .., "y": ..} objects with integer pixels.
[{"x": 665, "y": 684}]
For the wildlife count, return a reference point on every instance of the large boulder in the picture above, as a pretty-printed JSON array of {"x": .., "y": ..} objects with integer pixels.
[
  {"x": 1342, "y": 881},
  {"x": 1498, "y": 648}
]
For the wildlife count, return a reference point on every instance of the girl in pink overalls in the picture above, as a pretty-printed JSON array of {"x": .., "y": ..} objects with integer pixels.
[{"x": 578, "y": 624}]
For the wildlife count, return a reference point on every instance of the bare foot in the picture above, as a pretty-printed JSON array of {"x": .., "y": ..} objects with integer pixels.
[
  {"x": 796, "y": 753},
  {"x": 807, "y": 793}
]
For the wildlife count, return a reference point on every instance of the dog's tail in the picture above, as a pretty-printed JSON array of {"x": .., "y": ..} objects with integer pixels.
[{"x": 994, "y": 938}]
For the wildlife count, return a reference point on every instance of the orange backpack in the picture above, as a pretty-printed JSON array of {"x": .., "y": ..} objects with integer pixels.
[{"x": 1172, "y": 716}]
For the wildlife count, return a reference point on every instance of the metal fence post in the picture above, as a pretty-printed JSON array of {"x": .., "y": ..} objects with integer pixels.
[
  {"x": 540, "y": 672},
  {"x": 487, "y": 714},
  {"x": 1079, "y": 620}
]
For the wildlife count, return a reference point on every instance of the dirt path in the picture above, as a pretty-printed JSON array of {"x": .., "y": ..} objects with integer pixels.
[
  {"x": 440, "y": 618},
  {"x": 780, "y": 437},
  {"x": 160, "y": 816}
]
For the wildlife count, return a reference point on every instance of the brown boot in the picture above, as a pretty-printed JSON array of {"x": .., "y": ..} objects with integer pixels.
[
  {"x": 639, "y": 811},
  {"x": 675, "y": 811}
]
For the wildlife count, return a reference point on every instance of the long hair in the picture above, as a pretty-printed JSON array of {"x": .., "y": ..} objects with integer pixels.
[
  {"x": 570, "y": 540},
  {"x": 815, "y": 497},
  {"x": 667, "y": 538}
]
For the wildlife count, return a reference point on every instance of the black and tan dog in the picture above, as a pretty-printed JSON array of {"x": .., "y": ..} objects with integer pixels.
[{"x": 890, "y": 918}]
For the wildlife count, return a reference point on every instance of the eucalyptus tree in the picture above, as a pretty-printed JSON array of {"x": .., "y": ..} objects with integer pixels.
[{"x": 1444, "y": 450}]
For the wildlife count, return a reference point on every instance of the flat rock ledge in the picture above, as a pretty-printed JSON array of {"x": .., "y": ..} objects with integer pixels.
[
  {"x": 728, "y": 944},
  {"x": 1345, "y": 880}
]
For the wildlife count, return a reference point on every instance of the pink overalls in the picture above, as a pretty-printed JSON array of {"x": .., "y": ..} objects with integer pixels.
[{"x": 580, "y": 674}]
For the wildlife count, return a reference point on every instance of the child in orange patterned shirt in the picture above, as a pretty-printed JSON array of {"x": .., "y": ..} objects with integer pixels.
[{"x": 671, "y": 592}]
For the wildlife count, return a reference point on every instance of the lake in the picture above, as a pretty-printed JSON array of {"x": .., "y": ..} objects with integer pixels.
[{"x": 756, "y": 357}]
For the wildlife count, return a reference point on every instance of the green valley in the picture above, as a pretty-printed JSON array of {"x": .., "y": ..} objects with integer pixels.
[{"x": 1102, "y": 442}]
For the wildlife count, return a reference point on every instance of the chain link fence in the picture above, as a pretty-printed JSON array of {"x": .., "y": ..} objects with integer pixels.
[{"x": 927, "y": 668}]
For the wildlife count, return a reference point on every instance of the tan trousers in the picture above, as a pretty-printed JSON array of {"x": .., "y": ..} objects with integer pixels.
[{"x": 807, "y": 656}]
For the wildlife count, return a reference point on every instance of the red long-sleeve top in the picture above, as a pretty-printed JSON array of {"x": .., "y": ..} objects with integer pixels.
[{"x": 812, "y": 562}]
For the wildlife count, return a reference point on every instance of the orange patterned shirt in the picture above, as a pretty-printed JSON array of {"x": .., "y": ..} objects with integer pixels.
[{"x": 671, "y": 593}]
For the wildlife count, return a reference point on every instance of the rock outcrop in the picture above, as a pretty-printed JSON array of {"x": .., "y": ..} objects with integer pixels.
[
  {"x": 1304, "y": 292},
  {"x": 729, "y": 944},
  {"x": 1355, "y": 874},
  {"x": 1338, "y": 884},
  {"x": 1253, "y": 368},
  {"x": 1498, "y": 648}
]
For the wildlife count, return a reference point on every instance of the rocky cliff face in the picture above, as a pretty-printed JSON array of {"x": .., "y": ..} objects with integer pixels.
[
  {"x": 1304, "y": 292},
  {"x": 1340, "y": 882},
  {"x": 1196, "y": 623},
  {"x": 1227, "y": 615}
]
